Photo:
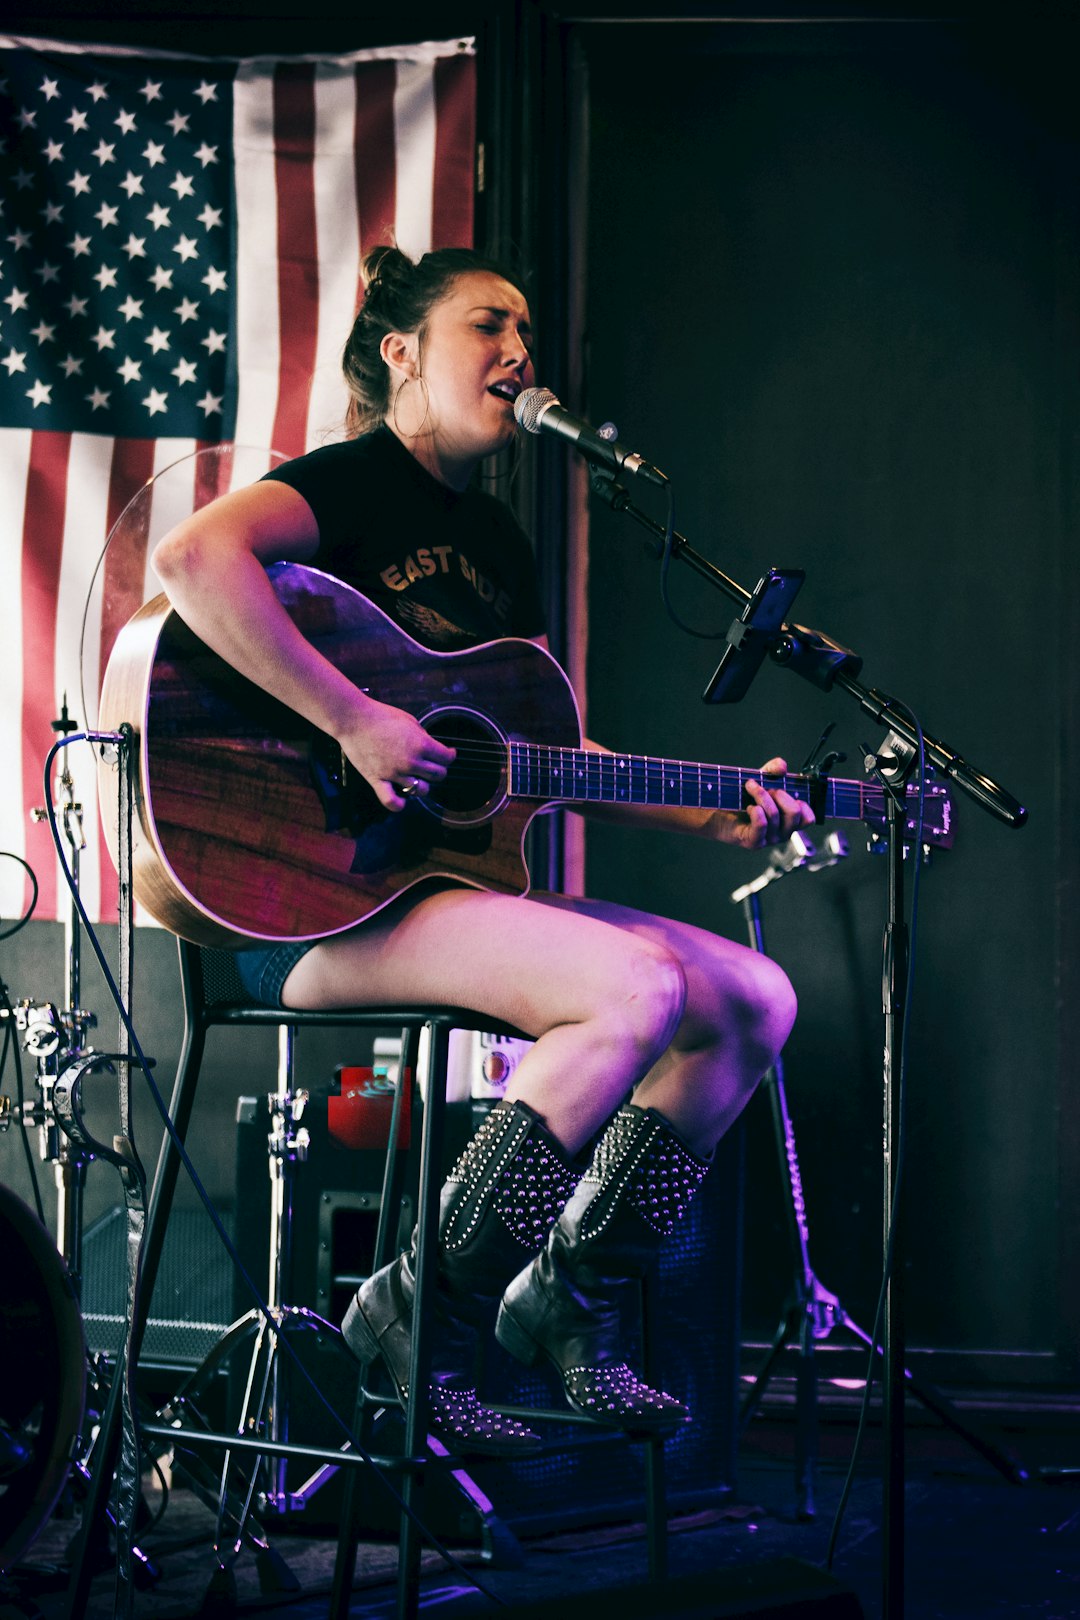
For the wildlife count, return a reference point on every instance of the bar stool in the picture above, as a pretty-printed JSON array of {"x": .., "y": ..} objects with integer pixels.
[{"x": 214, "y": 997}]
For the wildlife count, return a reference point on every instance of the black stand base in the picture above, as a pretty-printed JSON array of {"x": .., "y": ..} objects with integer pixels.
[{"x": 796, "y": 1331}]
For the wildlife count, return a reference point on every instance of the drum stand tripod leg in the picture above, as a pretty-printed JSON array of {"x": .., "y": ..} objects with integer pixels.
[{"x": 264, "y": 1407}]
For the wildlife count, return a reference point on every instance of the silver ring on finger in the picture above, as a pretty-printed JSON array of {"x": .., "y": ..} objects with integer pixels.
[{"x": 409, "y": 789}]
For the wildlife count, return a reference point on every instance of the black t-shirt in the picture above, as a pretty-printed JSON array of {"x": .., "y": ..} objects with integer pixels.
[{"x": 453, "y": 569}]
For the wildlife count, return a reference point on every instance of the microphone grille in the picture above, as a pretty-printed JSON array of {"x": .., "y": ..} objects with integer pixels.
[{"x": 529, "y": 406}]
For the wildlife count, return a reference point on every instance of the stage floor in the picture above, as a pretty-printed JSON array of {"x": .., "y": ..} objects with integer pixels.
[{"x": 977, "y": 1545}]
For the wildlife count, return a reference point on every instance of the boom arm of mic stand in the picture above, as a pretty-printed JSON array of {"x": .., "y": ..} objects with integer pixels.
[
  {"x": 822, "y": 661},
  {"x": 982, "y": 788}
]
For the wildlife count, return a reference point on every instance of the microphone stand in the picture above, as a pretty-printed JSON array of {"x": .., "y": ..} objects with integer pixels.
[{"x": 823, "y": 661}]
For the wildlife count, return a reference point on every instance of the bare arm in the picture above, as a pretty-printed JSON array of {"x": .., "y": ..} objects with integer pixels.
[{"x": 213, "y": 568}]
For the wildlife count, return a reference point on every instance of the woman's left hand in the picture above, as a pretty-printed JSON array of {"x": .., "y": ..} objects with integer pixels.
[{"x": 771, "y": 819}]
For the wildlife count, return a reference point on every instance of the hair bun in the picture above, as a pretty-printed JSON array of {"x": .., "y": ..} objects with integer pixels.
[{"x": 386, "y": 268}]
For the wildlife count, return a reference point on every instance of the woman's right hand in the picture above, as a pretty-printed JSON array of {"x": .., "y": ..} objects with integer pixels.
[{"x": 392, "y": 751}]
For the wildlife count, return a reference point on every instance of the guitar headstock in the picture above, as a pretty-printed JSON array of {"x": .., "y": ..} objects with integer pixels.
[{"x": 938, "y": 818}]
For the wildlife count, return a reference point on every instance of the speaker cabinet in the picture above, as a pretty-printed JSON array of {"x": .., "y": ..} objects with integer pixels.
[
  {"x": 587, "y": 1476},
  {"x": 192, "y": 1301}
]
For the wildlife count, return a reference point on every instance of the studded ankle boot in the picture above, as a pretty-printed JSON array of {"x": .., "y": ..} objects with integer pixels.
[
  {"x": 496, "y": 1209},
  {"x": 565, "y": 1305}
]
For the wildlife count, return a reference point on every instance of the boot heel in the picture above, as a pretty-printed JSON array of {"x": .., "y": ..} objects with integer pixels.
[
  {"x": 513, "y": 1337},
  {"x": 356, "y": 1331}
]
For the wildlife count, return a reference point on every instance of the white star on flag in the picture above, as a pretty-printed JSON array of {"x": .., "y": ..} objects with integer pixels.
[{"x": 117, "y": 178}]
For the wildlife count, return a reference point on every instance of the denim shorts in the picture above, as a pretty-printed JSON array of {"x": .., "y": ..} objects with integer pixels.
[{"x": 263, "y": 971}]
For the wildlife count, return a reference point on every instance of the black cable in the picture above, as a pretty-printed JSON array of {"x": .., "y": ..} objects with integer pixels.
[
  {"x": 11, "y": 1040},
  {"x": 665, "y": 564},
  {"x": 166, "y": 1493},
  {"x": 29, "y": 912},
  {"x": 875, "y": 1335},
  {"x": 9, "y": 1033},
  {"x": 204, "y": 1197}
]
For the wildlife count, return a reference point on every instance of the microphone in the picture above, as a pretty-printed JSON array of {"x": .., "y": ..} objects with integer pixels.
[{"x": 538, "y": 411}]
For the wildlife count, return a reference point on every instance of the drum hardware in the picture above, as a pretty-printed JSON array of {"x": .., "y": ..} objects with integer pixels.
[
  {"x": 242, "y": 1495},
  {"x": 811, "y": 1313},
  {"x": 42, "y": 1378},
  {"x": 56, "y": 1038}
]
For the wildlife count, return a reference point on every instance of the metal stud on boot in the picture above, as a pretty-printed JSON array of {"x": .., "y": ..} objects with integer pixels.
[
  {"x": 378, "y": 1323},
  {"x": 496, "y": 1208},
  {"x": 565, "y": 1305}
]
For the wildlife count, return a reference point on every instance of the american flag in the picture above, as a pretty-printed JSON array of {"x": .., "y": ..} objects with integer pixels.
[{"x": 180, "y": 241}]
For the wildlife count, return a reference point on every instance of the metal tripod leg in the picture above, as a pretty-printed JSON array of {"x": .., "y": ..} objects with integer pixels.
[
  {"x": 812, "y": 1313},
  {"x": 264, "y": 1408},
  {"x": 809, "y": 1315},
  {"x": 935, "y": 1401}
]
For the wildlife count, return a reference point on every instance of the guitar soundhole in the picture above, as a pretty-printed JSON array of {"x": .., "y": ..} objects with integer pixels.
[{"x": 475, "y": 785}]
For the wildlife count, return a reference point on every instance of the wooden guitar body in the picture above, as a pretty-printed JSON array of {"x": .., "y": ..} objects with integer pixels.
[{"x": 249, "y": 824}]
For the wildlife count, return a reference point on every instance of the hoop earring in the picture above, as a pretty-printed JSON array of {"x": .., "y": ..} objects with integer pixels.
[{"x": 395, "y": 424}]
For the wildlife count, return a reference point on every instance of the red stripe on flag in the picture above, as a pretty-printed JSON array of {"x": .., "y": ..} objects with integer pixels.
[
  {"x": 122, "y": 584},
  {"x": 455, "y": 152},
  {"x": 298, "y": 268},
  {"x": 125, "y": 560},
  {"x": 375, "y": 156},
  {"x": 42, "y": 544}
]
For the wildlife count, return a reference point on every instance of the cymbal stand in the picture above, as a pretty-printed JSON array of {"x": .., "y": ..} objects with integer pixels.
[
  {"x": 811, "y": 1313},
  {"x": 56, "y": 1038},
  {"x": 264, "y": 1413}
]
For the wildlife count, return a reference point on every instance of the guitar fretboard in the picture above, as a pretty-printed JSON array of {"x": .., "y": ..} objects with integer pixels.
[{"x": 583, "y": 775}]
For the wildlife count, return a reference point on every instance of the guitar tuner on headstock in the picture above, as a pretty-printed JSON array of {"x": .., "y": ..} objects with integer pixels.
[{"x": 937, "y": 830}]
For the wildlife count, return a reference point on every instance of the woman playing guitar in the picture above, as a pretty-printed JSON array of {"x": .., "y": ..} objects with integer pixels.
[{"x": 650, "y": 1035}]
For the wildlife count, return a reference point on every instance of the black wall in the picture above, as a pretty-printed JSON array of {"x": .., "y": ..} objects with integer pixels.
[{"x": 832, "y": 292}]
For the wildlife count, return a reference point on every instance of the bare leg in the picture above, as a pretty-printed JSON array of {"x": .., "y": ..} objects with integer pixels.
[
  {"x": 738, "y": 1013},
  {"x": 602, "y": 1003},
  {"x": 615, "y": 998}
]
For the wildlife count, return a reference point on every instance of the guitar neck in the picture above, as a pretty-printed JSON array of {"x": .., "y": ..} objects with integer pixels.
[{"x": 581, "y": 775}]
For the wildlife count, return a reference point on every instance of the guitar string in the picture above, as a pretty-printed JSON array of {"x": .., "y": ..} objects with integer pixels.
[
  {"x": 478, "y": 750},
  {"x": 475, "y": 759}
]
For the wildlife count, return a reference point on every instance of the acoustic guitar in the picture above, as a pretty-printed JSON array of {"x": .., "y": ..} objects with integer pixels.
[{"x": 251, "y": 825}]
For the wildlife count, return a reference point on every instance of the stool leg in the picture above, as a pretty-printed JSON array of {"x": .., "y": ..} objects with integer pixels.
[
  {"x": 656, "y": 1525},
  {"x": 427, "y": 1238},
  {"x": 385, "y": 1240}
]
